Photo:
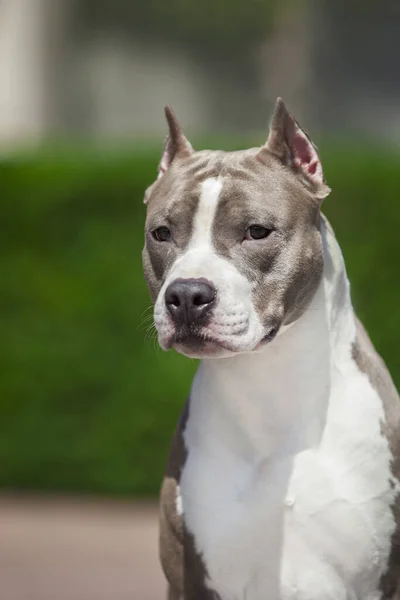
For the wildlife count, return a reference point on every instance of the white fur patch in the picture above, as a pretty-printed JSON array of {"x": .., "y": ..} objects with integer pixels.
[
  {"x": 286, "y": 487},
  {"x": 204, "y": 218},
  {"x": 178, "y": 501}
]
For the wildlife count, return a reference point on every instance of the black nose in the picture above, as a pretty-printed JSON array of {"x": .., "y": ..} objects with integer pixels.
[{"x": 189, "y": 300}]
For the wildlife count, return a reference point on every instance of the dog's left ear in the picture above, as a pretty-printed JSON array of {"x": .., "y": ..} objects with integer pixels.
[
  {"x": 292, "y": 146},
  {"x": 176, "y": 144}
]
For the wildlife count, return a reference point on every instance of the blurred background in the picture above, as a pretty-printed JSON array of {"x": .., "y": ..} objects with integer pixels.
[{"x": 88, "y": 402}]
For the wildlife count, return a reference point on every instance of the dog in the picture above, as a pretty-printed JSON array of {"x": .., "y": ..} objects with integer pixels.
[{"x": 283, "y": 476}]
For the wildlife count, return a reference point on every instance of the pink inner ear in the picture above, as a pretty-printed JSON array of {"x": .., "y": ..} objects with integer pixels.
[
  {"x": 164, "y": 163},
  {"x": 304, "y": 154}
]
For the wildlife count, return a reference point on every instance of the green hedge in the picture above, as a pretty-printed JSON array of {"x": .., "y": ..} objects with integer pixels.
[{"x": 87, "y": 400}]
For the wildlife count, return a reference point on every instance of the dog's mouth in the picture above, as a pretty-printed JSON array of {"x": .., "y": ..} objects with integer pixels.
[
  {"x": 197, "y": 343},
  {"x": 200, "y": 344},
  {"x": 269, "y": 336},
  {"x": 193, "y": 340},
  {"x": 195, "y": 346}
]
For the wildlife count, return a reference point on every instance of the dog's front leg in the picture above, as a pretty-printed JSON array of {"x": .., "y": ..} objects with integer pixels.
[{"x": 195, "y": 573}]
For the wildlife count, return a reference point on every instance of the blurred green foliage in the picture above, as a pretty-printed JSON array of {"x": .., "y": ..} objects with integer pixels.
[{"x": 87, "y": 400}]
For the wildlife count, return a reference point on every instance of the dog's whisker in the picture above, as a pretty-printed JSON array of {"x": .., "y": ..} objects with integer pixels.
[
  {"x": 146, "y": 322},
  {"x": 147, "y": 310},
  {"x": 151, "y": 333}
]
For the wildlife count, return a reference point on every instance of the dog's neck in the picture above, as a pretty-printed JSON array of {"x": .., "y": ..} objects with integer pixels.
[{"x": 276, "y": 400}]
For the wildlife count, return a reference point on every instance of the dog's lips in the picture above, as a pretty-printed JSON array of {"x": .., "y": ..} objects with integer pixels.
[
  {"x": 203, "y": 348},
  {"x": 271, "y": 335},
  {"x": 197, "y": 340},
  {"x": 166, "y": 343},
  {"x": 214, "y": 338},
  {"x": 200, "y": 343}
]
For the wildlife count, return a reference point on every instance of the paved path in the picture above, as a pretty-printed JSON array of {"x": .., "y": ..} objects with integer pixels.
[{"x": 78, "y": 550}]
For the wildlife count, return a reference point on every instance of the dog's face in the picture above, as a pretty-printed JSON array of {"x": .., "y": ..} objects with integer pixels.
[{"x": 233, "y": 250}]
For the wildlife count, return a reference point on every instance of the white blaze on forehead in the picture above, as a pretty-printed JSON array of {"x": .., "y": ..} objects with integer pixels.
[
  {"x": 200, "y": 259},
  {"x": 205, "y": 214}
]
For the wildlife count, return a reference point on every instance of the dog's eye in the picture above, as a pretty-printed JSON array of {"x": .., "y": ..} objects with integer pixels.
[
  {"x": 161, "y": 234},
  {"x": 257, "y": 232}
]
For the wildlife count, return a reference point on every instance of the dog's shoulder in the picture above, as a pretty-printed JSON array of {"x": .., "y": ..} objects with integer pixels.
[{"x": 370, "y": 362}]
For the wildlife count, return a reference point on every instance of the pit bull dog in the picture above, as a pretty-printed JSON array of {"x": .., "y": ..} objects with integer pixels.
[{"x": 283, "y": 476}]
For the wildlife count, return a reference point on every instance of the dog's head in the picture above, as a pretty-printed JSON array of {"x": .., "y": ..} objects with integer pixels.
[{"x": 233, "y": 249}]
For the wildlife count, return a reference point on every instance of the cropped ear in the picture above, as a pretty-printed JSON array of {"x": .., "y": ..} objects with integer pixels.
[
  {"x": 176, "y": 144},
  {"x": 292, "y": 146}
]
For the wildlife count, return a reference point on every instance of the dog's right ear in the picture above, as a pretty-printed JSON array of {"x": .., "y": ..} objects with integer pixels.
[{"x": 176, "y": 144}]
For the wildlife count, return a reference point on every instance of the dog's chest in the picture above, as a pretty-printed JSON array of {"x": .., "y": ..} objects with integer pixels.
[{"x": 316, "y": 525}]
